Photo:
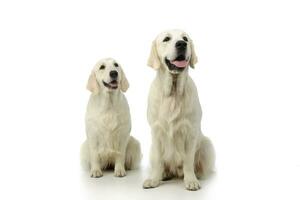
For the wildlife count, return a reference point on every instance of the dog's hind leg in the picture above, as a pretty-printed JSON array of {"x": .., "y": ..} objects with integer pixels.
[
  {"x": 84, "y": 156},
  {"x": 133, "y": 154},
  {"x": 204, "y": 158}
]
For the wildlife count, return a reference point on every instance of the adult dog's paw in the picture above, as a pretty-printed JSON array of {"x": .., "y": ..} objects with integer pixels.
[
  {"x": 120, "y": 172},
  {"x": 192, "y": 185},
  {"x": 96, "y": 173},
  {"x": 151, "y": 183}
]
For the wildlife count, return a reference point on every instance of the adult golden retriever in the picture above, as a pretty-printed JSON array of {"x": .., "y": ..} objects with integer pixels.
[{"x": 179, "y": 149}]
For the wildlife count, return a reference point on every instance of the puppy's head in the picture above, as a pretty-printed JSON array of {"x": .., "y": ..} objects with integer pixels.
[
  {"x": 107, "y": 75},
  {"x": 172, "y": 50}
]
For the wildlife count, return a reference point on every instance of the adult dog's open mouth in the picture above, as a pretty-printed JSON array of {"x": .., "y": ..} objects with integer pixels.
[
  {"x": 179, "y": 63},
  {"x": 111, "y": 85}
]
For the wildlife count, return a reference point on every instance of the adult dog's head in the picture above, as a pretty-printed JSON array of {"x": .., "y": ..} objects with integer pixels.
[
  {"x": 172, "y": 50},
  {"x": 107, "y": 75}
]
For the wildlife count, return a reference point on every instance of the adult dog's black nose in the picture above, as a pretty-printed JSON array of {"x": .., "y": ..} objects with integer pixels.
[
  {"x": 180, "y": 44},
  {"x": 113, "y": 74}
]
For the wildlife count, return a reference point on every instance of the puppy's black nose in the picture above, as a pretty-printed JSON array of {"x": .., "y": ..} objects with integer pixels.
[
  {"x": 180, "y": 44},
  {"x": 113, "y": 74}
]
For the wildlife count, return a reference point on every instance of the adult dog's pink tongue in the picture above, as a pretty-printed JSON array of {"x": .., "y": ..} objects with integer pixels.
[{"x": 180, "y": 64}]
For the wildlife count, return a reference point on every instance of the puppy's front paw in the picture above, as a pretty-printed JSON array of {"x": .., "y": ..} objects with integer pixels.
[
  {"x": 151, "y": 183},
  {"x": 120, "y": 172},
  {"x": 192, "y": 185},
  {"x": 96, "y": 173}
]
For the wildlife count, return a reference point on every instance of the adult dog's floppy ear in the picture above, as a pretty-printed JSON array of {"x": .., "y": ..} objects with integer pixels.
[
  {"x": 194, "y": 58},
  {"x": 124, "y": 85},
  {"x": 153, "y": 60},
  {"x": 92, "y": 84}
]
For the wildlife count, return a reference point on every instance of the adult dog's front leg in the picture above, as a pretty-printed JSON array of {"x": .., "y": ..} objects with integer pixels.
[
  {"x": 157, "y": 165},
  {"x": 157, "y": 169},
  {"x": 190, "y": 180},
  {"x": 120, "y": 163}
]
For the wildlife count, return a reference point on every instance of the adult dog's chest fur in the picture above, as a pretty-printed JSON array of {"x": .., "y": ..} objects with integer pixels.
[
  {"x": 174, "y": 117},
  {"x": 172, "y": 108},
  {"x": 174, "y": 114}
]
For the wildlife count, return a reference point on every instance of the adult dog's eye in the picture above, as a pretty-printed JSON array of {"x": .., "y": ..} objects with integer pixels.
[
  {"x": 166, "y": 39},
  {"x": 185, "y": 38},
  {"x": 102, "y": 67},
  {"x": 116, "y": 65}
]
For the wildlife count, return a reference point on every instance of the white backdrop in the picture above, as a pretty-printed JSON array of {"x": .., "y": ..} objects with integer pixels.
[{"x": 247, "y": 79}]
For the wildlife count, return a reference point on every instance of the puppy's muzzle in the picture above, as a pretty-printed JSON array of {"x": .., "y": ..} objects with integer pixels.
[
  {"x": 113, "y": 74},
  {"x": 113, "y": 84}
]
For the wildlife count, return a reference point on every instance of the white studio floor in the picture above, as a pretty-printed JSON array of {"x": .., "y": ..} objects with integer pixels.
[
  {"x": 263, "y": 184},
  {"x": 66, "y": 180}
]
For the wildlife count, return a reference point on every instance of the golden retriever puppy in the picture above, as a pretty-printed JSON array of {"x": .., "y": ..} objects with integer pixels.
[
  {"x": 179, "y": 149},
  {"x": 108, "y": 123}
]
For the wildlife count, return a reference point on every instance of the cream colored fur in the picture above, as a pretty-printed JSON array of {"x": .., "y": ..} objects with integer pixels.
[
  {"x": 108, "y": 125},
  {"x": 179, "y": 149}
]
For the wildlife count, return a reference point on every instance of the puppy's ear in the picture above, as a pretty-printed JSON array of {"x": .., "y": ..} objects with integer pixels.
[
  {"x": 194, "y": 58},
  {"x": 92, "y": 84},
  {"x": 153, "y": 60},
  {"x": 124, "y": 85}
]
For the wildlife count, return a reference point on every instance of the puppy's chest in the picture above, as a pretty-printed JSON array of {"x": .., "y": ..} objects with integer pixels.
[{"x": 109, "y": 121}]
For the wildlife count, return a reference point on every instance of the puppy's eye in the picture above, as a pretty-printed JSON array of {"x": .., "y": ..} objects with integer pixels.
[
  {"x": 185, "y": 38},
  {"x": 166, "y": 39},
  {"x": 102, "y": 67},
  {"x": 116, "y": 65}
]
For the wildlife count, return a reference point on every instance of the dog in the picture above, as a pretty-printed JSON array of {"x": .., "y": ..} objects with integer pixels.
[
  {"x": 108, "y": 123},
  {"x": 179, "y": 149}
]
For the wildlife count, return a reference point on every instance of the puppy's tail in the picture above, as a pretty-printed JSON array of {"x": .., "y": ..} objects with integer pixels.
[
  {"x": 85, "y": 156},
  {"x": 133, "y": 154},
  {"x": 205, "y": 158}
]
